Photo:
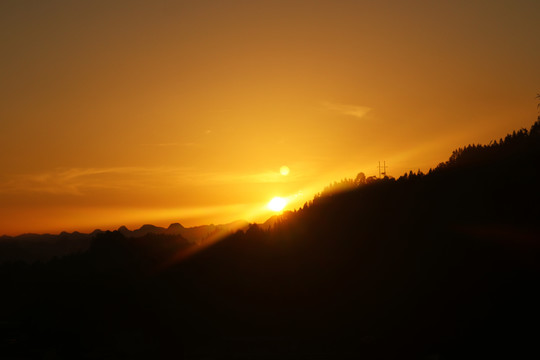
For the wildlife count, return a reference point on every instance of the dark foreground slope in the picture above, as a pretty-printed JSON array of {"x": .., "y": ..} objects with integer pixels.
[{"x": 437, "y": 266}]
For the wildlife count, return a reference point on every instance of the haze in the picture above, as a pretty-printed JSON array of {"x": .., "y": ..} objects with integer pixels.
[{"x": 130, "y": 112}]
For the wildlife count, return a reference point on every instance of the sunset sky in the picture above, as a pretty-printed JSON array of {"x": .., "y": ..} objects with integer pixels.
[{"x": 129, "y": 112}]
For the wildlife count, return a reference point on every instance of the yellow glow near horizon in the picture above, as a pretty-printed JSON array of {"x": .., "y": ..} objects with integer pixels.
[
  {"x": 247, "y": 116},
  {"x": 277, "y": 204}
]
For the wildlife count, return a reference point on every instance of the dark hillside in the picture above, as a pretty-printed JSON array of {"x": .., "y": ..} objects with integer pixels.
[{"x": 437, "y": 266}]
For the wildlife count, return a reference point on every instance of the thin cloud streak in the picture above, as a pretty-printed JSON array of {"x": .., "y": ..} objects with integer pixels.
[
  {"x": 350, "y": 110},
  {"x": 173, "y": 144},
  {"x": 77, "y": 181}
]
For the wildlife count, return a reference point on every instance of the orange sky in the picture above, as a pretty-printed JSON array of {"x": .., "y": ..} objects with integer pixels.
[{"x": 132, "y": 112}]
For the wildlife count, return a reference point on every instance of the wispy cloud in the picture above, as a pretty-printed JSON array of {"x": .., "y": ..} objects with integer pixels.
[
  {"x": 173, "y": 144},
  {"x": 79, "y": 181},
  {"x": 163, "y": 144},
  {"x": 350, "y": 110},
  {"x": 76, "y": 181},
  {"x": 263, "y": 177}
]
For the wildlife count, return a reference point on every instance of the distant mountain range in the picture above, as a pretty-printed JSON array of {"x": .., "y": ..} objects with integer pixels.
[
  {"x": 43, "y": 247},
  {"x": 443, "y": 265},
  {"x": 193, "y": 234}
]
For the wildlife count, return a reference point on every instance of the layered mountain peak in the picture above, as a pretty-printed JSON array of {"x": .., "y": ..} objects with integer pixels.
[
  {"x": 147, "y": 227},
  {"x": 175, "y": 226}
]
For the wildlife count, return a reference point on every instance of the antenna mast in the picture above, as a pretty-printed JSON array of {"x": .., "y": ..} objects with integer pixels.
[{"x": 383, "y": 172}]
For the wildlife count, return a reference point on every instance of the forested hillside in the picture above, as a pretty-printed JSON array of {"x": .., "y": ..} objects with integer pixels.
[{"x": 443, "y": 265}]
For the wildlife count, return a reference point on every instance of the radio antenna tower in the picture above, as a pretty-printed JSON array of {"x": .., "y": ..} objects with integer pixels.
[{"x": 383, "y": 172}]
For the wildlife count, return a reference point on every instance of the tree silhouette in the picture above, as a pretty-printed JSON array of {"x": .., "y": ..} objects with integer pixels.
[{"x": 437, "y": 265}]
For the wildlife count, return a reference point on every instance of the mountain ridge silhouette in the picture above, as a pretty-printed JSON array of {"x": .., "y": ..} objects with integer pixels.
[
  {"x": 31, "y": 247},
  {"x": 425, "y": 266}
]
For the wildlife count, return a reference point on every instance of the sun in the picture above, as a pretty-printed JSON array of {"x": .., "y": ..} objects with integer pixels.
[
  {"x": 277, "y": 204},
  {"x": 284, "y": 170}
]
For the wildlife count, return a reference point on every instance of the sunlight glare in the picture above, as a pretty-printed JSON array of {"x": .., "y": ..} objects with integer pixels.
[
  {"x": 284, "y": 170},
  {"x": 277, "y": 204}
]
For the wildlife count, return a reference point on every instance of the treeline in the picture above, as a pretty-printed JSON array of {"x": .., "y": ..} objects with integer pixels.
[
  {"x": 438, "y": 265},
  {"x": 520, "y": 147}
]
